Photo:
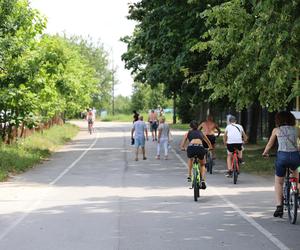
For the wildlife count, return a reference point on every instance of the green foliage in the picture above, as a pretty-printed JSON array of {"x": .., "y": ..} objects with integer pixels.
[
  {"x": 254, "y": 49},
  {"x": 43, "y": 76},
  {"x": 27, "y": 152},
  {"x": 145, "y": 98},
  {"x": 123, "y": 105}
]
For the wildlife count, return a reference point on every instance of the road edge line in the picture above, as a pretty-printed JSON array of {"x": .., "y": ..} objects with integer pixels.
[
  {"x": 44, "y": 193},
  {"x": 244, "y": 215}
]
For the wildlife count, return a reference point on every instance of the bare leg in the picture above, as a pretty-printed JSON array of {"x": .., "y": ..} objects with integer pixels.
[
  {"x": 229, "y": 161},
  {"x": 202, "y": 169},
  {"x": 278, "y": 190},
  {"x": 136, "y": 153},
  {"x": 190, "y": 164},
  {"x": 213, "y": 152},
  {"x": 144, "y": 153}
]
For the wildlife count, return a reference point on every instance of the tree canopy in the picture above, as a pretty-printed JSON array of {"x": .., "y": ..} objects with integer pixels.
[{"x": 42, "y": 76}]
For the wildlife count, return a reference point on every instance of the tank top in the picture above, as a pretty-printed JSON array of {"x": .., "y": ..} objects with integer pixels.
[
  {"x": 287, "y": 138},
  {"x": 195, "y": 134}
]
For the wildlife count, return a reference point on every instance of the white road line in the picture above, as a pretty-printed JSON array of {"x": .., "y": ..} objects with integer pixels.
[
  {"x": 31, "y": 208},
  {"x": 244, "y": 215}
]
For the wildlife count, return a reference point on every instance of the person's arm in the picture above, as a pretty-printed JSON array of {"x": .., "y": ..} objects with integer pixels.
[
  {"x": 200, "y": 126},
  {"x": 270, "y": 143},
  {"x": 207, "y": 141},
  {"x": 218, "y": 129},
  {"x": 146, "y": 132},
  {"x": 225, "y": 138},
  {"x": 183, "y": 142},
  {"x": 132, "y": 131},
  {"x": 159, "y": 134}
]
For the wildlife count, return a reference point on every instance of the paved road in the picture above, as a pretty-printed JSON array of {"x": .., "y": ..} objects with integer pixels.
[{"x": 92, "y": 195}]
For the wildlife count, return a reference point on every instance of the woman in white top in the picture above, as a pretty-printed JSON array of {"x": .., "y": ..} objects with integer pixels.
[
  {"x": 163, "y": 137},
  {"x": 234, "y": 137}
]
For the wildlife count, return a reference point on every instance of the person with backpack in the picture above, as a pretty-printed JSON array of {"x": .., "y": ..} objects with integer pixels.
[{"x": 234, "y": 137}]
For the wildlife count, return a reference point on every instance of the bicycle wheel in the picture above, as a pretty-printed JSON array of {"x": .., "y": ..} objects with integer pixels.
[
  {"x": 195, "y": 185},
  {"x": 292, "y": 206},
  {"x": 210, "y": 163},
  {"x": 235, "y": 173}
]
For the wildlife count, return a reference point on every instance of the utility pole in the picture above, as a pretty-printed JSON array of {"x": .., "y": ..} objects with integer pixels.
[
  {"x": 113, "y": 91},
  {"x": 113, "y": 82}
]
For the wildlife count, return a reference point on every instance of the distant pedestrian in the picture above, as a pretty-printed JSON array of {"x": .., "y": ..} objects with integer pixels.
[
  {"x": 140, "y": 132},
  {"x": 135, "y": 116},
  {"x": 163, "y": 138},
  {"x": 153, "y": 122}
]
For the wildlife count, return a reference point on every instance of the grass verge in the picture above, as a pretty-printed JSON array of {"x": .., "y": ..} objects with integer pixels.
[
  {"x": 18, "y": 157},
  {"x": 252, "y": 155},
  {"x": 129, "y": 118}
]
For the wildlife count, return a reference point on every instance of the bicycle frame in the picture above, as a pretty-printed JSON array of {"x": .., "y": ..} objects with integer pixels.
[
  {"x": 235, "y": 166},
  {"x": 196, "y": 174}
]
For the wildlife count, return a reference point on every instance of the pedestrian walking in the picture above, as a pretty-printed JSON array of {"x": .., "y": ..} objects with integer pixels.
[
  {"x": 140, "y": 132},
  {"x": 153, "y": 122},
  {"x": 163, "y": 138}
]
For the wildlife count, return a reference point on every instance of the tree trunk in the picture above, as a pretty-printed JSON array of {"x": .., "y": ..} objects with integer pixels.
[
  {"x": 271, "y": 122},
  {"x": 244, "y": 119},
  {"x": 174, "y": 108},
  {"x": 253, "y": 118}
]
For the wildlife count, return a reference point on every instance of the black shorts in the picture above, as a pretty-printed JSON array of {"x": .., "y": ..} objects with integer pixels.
[
  {"x": 231, "y": 147},
  {"x": 196, "y": 150},
  {"x": 90, "y": 121},
  {"x": 153, "y": 126},
  {"x": 212, "y": 140}
]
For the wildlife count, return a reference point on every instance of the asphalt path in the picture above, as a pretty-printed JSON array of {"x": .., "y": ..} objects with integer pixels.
[{"x": 91, "y": 194}]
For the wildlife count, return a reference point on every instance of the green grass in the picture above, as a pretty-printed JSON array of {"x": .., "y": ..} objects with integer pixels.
[
  {"x": 180, "y": 126},
  {"x": 18, "y": 157},
  {"x": 252, "y": 155},
  {"x": 129, "y": 118}
]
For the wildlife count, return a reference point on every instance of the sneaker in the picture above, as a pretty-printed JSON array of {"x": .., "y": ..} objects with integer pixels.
[
  {"x": 144, "y": 158},
  {"x": 278, "y": 212},
  {"x": 166, "y": 157},
  {"x": 157, "y": 157},
  {"x": 241, "y": 161},
  {"x": 203, "y": 185},
  {"x": 229, "y": 173},
  {"x": 189, "y": 179}
]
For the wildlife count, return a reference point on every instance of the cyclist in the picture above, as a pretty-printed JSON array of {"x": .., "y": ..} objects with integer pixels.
[
  {"x": 90, "y": 117},
  {"x": 209, "y": 127},
  {"x": 195, "y": 147},
  {"x": 234, "y": 137},
  {"x": 287, "y": 154}
]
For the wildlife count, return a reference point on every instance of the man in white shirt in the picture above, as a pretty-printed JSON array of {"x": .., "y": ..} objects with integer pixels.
[
  {"x": 234, "y": 137},
  {"x": 140, "y": 132}
]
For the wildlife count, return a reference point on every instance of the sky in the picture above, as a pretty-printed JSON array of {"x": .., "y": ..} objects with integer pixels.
[{"x": 103, "y": 20}]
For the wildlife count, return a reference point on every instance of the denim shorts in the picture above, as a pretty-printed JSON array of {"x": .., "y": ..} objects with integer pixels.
[
  {"x": 139, "y": 141},
  {"x": 285, "y": 160}
]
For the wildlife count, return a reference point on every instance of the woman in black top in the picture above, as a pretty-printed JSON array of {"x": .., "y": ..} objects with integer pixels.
[{"x": 195, "y": 147}]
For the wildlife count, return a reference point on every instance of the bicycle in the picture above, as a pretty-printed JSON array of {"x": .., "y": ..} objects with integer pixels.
[
  {"x": 235, "y": 166},
  {"x": 290, "y": 196},
  {"x": 196, "y": 178},
  {"x": 90, "y": 126},
  {"x": 209, "y": 161}
]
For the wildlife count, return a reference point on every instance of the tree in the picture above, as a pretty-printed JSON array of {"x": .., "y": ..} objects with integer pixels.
[
  {"x": 19, "y": 27},
  {"x": 254, "y": 48},
  {"x": 159, "y": 49}
]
